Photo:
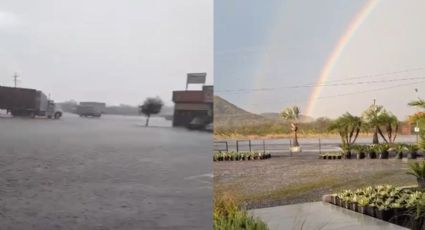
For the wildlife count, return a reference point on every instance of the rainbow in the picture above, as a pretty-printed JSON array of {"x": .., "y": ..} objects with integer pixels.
[{"x": 355, "y": 23}]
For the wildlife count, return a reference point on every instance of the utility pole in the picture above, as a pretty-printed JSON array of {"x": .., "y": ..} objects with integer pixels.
[
  {"x": 15, "y": 79},
  {"x": 374, "y": 101}
]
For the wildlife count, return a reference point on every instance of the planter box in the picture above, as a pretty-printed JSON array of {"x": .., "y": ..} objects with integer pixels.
[
  {"x": 400, "y": 216},
  {"x": 383, "y": 214},
  {"x": 353, "y": 206},
  {"x": 361, "y": 209},
  {"x": 370, "y": 211},
  {"x": 346, "y": 204}
]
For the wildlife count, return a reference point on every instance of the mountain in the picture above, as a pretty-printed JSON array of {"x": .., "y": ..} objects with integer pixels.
[
  {"x": 228, "y": 114},
  {"x": 277, "y": 116}
]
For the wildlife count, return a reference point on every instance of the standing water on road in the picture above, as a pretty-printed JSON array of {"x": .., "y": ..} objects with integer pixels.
[{"x": 103, "y": 173}]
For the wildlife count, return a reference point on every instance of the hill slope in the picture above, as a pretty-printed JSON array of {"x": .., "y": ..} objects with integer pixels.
[{"x": 228, "y": 114}]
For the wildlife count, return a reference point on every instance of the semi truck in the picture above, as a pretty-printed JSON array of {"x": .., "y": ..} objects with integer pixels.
[
  {"x": 91, "y": 109},
  {"x": 27, "y": 103}
]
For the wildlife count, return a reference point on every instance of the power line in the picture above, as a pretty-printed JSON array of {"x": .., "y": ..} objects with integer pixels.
[
  {"x": 331, "y": 83},
  {"x": 339, "y": 95}
]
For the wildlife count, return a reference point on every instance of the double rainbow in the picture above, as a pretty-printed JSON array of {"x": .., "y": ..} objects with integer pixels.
[{"x": 343, "y": 41}]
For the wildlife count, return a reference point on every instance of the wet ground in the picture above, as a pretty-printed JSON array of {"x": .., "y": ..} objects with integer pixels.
[
  {"x": 303, "y": 177},
  {"x": 107, "y": 173}
]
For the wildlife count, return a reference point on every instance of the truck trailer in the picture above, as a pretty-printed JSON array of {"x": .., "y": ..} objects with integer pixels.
[
  {"x": 27, "y": 103},
  {"x": 91, "y": 109}
]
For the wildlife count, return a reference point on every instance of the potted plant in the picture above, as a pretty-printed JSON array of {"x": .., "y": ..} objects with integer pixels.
[
  {"x": 417, "y": 169},
  {"x": 354, "y": 203},
  {"x": 334, "y": 199},
  {"x": 359, "y": 150},
  {"x": 412, "y": 151},
  {"x": 370, "y": 151},
  {"x": 361, "y": 204},
  {"x": 399, "y": 149},
  {"x": 382, "y": 151},
  {"x": 346, "y": 151},
  {"x": 292, "y": 114},
  {"x": 383, "y": 212},
  {"x": 370, "y": 210}
]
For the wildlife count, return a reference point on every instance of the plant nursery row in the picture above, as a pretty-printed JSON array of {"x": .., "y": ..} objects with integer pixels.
[
  {"x": 402, "y": 206},
  {"x": 240, "y": 156}
]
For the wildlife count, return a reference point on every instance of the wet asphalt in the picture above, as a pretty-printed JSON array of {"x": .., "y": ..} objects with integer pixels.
[{"x": 107, "y": 173}]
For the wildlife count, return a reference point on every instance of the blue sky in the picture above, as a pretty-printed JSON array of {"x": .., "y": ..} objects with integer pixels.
[{"x": 272, "y": 44}]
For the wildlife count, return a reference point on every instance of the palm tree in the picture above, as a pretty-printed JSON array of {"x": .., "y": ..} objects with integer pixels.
[
  {"x": 390, "y": 123},
  {"x": 373, "y": 120},
  {"x": 292, "y": 114},
  {"x": 348, "y": 127}
]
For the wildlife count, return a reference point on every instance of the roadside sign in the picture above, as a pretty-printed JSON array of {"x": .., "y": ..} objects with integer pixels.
[{"x": 416, "y": 129}]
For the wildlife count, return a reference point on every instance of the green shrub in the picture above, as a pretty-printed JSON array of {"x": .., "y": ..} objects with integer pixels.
[
  {"x": 228, "y": 214},
  {"x": 417, "y": 169}
]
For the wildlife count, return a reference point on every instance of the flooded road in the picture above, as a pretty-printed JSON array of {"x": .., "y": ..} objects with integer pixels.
[{"x": 107, "y": 173}]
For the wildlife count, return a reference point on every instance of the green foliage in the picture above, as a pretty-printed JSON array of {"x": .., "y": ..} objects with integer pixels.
[
  {"x": 348, "y": 127},
  {"x": 417, "y": 169},
  {"x": 292, "y": 114},
  {"x": 236, "y": 156},
  {"x": 331, "y": 155},
  {"x": 152, "y": 105},
  {"x": 382, "y": 196},
  {"x": 228, "y": 214}
]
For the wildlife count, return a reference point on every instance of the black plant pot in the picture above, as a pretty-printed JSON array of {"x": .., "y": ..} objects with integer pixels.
[
  {"x": 353, "y": 206},
  {"x": 411, "y": 155},
  {"x": 338, "y": 201},
  {"x": 399, "y": 156},
  {"x": 346, "y": 204},
  {"x": 338, "y": 157},
  {"x": 361, "y": 209},
  {"x": 384, "y": 155},
  {"x": 372, "y": 155},
  {"x": 384, "y": 214},
  {"x": 360, "y": 155},
  {"x": 348, "y": 155},
  {"x": 400, "y": 216},
  {"x": 334, "y": 199},
  {"x": 370, "y": 211},
  {"x": 421, "y": 182}
]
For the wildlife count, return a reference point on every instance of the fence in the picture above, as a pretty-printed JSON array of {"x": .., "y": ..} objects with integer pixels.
[
  {"x": 282, "y": 146},
  {"x": 276, "y": 146}
]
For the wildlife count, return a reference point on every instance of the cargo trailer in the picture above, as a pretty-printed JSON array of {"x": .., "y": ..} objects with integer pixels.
[
  {"x": 91, "y": 109},
  {"x": 27, "y": 102}
]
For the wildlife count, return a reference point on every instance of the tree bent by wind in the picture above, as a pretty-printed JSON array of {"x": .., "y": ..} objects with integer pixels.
[{"x": 152, "y": 105}]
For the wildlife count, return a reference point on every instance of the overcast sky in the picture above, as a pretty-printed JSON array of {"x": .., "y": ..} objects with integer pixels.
[
  {"x": 105, "y": 50},
  {"x": 277, "y": 43}
]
